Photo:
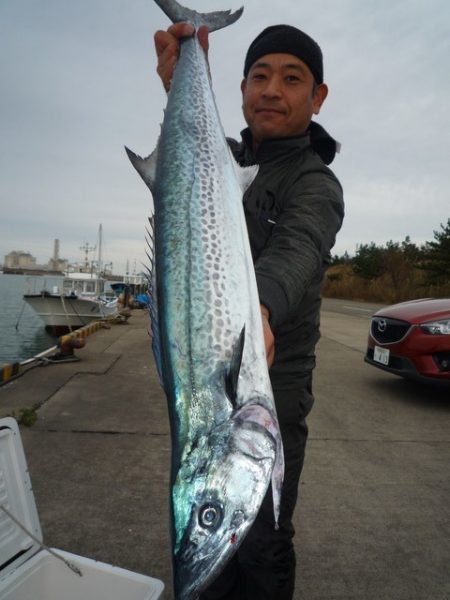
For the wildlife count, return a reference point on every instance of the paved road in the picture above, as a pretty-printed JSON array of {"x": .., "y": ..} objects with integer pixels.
[
  {"x": 373, "y": 520},
  {"x": 374, "y": 516}
]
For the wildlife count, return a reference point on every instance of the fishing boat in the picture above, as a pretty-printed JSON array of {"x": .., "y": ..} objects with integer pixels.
[
  {"x": 82, "y": 296},
  {"x": 80, "y": 299}
]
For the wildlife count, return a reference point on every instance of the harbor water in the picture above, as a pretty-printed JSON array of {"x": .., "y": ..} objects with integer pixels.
[{"x": 22, "y": 332}]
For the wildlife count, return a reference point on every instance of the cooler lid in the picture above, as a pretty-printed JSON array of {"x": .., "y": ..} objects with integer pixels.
[{"x": 16, "y": 495}]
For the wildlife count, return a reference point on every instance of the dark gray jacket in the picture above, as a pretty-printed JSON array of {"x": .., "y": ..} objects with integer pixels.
[{"x": 294, "y": 209}]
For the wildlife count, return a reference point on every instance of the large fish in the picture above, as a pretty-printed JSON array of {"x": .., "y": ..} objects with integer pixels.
[{"x": 207, "y": 329}]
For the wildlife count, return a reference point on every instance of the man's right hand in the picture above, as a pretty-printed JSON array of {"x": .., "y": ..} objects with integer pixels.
[{"x": 167, "y": 45}]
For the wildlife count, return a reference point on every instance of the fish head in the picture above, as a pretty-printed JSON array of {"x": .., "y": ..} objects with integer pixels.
[{"x": 216, "y": 497}]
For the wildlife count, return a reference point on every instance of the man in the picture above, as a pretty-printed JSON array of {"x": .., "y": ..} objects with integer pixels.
[{"x": 294, "y": 208}]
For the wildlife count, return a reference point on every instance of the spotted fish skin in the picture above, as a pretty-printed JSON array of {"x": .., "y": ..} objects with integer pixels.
[{"x": 226, "y": 445}]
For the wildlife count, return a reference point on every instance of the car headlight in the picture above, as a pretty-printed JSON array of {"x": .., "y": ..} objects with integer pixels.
[{"x": 436, "y": 327}]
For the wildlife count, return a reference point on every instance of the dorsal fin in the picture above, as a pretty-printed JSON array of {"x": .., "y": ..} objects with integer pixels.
[{"x": 153, "y": 300}]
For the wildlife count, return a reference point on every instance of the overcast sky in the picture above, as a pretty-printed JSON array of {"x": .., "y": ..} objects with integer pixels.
[{"x": 78, "y": 82}]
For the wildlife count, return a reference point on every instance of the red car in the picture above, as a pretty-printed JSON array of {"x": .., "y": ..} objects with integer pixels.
[{"x": 412, "y": 339}]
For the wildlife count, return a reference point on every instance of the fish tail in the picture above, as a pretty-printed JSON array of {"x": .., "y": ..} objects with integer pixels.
[{"x": 213, "y": 20}]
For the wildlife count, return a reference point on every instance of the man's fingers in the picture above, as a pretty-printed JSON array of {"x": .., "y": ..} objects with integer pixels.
[
  {"x": 181, "y": 30},
  {"x": 167, "y": 46},
  {"x": 203, "y": 38},
  {"x": 165, "y": 70}
]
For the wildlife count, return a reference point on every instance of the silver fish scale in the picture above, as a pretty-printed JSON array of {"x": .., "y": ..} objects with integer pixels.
[{"x": 207, "y": 221}]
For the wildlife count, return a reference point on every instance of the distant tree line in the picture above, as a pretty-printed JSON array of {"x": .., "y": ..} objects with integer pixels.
[{"x": 403, "y": 268}]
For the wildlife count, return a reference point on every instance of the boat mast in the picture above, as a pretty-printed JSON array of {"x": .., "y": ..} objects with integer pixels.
[
  {"x": 100, "y": 242},
  {"x": 99, "y": 264}
]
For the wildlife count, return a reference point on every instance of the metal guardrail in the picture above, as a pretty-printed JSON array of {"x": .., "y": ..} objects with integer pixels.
[{"x": 12, "y": 370}]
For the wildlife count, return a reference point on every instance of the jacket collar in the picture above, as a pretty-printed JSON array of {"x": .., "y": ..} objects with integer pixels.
[{"x": 269, "y": 150}]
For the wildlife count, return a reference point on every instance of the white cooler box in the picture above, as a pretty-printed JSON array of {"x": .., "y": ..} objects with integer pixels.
[{"x": 29, "y": 572}]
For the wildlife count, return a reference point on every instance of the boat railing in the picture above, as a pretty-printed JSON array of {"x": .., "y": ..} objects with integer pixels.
[
  {"x": 85, "y": 287},
  {"x": 45, "y": 286}
]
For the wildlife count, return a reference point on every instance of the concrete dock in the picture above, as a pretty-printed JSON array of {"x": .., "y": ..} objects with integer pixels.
[{"x": 373, "y": 520}]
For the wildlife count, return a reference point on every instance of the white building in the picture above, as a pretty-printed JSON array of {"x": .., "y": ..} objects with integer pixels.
[{"x": 17, "y": 259}]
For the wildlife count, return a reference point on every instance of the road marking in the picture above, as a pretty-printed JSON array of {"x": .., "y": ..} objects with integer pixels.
[{"x": 366, "y": 310}]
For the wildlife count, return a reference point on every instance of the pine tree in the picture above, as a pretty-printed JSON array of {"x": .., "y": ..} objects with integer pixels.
[
  {"x": 436, "y": 261},
  {"x": 368, "y": 261}
]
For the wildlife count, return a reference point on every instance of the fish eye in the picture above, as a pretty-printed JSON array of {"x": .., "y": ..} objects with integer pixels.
[{"x": 210, "y": 516}]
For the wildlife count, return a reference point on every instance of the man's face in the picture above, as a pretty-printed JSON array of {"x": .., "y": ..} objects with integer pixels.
[{"x": 279, "y": 97}]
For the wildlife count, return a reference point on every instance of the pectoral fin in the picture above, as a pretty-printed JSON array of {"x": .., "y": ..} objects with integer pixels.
[{"x": 232, "y": 376}]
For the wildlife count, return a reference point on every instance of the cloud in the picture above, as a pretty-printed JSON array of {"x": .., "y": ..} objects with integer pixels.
[{"x": 79, "y": 82}]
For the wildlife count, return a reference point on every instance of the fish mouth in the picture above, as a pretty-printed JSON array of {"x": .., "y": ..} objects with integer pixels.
[{"x": 192, "y": 576}]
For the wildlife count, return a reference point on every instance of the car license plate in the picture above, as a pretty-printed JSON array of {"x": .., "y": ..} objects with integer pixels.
[{"x": 381, "y": 355}]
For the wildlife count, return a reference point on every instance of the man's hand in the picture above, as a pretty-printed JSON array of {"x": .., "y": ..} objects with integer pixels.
[
  {"x": 269, "y": 339},
  {"x": 167, "y": 45}
]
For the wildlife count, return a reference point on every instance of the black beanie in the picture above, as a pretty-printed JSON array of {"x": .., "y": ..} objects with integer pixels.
[{"x": 289, "y": 40}]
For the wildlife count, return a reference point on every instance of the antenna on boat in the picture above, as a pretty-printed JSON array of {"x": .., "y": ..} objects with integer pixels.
[{"x": 86, "y": 248}]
